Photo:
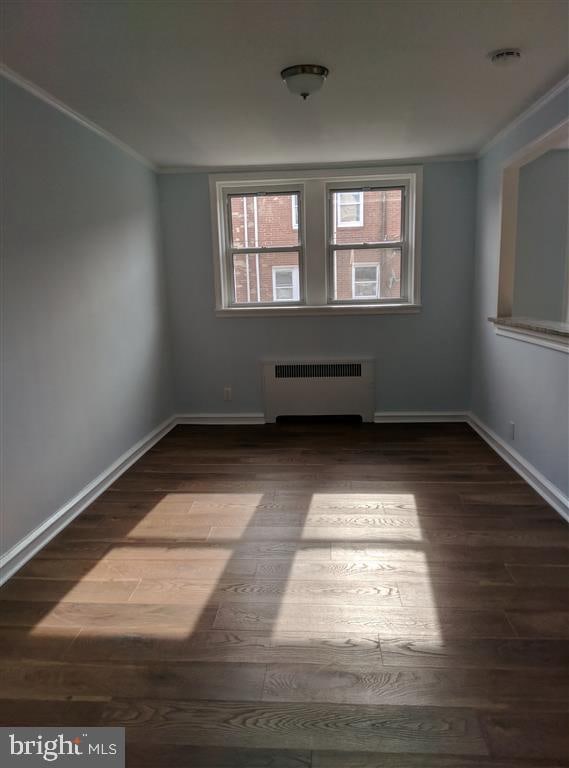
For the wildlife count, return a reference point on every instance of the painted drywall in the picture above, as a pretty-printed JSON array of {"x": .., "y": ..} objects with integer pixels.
[
  {"x": 85, "y": 371},
  {"x": 513, "y": 380},
  {"x": 423, "y": 360},
  {"x": 542, "y": 251}
]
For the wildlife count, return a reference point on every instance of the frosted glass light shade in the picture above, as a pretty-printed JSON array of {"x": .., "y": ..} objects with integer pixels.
[{"x": 304, "y": 79}]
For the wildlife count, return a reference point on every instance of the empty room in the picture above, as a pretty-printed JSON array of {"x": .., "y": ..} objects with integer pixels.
[{"x": 284, "y": 409}]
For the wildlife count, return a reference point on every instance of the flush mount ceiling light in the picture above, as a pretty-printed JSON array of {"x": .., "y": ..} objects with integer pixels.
[
  {"x": 304, "y": 79},
  {"x": 505, "y": 57}
]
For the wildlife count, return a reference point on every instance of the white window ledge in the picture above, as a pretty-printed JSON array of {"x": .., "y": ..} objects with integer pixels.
[
  {"x": 544, "y": 333},
  {"x": 328, "y": 310}
]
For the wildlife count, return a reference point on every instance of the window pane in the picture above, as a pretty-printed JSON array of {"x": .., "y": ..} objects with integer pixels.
[
  {"x": 266, "y": 277},
  {"x": 349, "y": 214},
  {"x": 283, "y": 278},
  {"x": 365, "y": 273},
  {"x": 375, "y": 219},
  {"x": 263, "y": 221},
  {"x": 283, "y": 294},
  {"x": 349, "y": 209},
  {"x": 355, "y": 275},
  {"x": 365, "y": 290},
  {"x": 349, "y": 198}
]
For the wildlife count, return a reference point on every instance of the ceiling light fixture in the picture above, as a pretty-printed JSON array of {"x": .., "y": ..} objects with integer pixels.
[
  {"x": 504, "y": 57},
  {"x": 304, "y": 79}
]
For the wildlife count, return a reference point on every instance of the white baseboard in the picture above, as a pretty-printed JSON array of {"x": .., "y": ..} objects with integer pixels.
[
  {"x": 414, "y": 417},
  {"x": 549, "y": 492},
  {"x": 380, "y": 417},
  {"x": 220, "y": 418},
  {"x": 21, "y": 552}
]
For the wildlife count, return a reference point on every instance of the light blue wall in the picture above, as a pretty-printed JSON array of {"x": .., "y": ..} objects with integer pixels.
[
  {"x": 541, "y": 241},
  {"x": 86, "y": 365},
  {"x": 423, "y": 360},
  {"x": 85, "y": 358},
  {"x": 511, "y": 379}
]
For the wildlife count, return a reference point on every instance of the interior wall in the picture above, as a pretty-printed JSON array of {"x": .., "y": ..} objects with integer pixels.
[
  {"x": 542, "y": 248},
  {"x": 423, "y": 360},
  {"x": 513, "y": 380},
  {"x": 85, "y": 368}
]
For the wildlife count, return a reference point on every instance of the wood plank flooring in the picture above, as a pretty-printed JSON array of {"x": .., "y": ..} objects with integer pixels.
[{"x": 303, "y": 596}]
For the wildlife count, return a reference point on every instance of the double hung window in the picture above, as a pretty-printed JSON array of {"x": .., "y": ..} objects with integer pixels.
[{"x": 317, "y": 242}]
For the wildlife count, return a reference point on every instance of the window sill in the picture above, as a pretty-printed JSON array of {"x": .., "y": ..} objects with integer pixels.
[
  {"x": 544, "y": 333},
  {"x": 328, "y": 310}
]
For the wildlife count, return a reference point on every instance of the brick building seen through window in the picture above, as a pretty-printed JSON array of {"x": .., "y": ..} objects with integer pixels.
[{"x": 271, "y": 221}]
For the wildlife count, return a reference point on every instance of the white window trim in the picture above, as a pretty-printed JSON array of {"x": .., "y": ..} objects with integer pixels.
[
  {"x": 316, "y": 272},
  {"x": 506, "y": 323},
  {"x": 359, "y": 222},
  {"x": 293, "y": 269},
  {"x": 377, "y": 278}
]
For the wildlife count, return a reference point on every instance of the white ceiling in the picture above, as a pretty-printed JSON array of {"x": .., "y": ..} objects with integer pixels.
[{"x": 197, "y": 83}]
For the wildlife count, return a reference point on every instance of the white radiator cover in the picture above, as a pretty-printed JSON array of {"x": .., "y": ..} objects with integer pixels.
[{"x": 312, "y": 387}]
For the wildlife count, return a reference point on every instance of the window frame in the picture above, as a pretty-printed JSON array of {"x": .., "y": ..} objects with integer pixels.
[
  {"x": 545, "y": 333},
  {"x": 231, "y": 250},
  {"x": 359, "y": 222},
  {"x": 295, "y": 282},
  {"x": 377, "y": 278},
  {"x": 315, "y": 268},
  {"x": 402, "y": 244}
]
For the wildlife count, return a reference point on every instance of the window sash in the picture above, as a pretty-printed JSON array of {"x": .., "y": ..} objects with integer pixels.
[
  {"x": 259, "y": 194},
  {"x": 294, "y": 283},
  {"x": 364, "y": 282},
  {"x": 231, "y": 251},
  {"x": 297, "y": 284},
  {"x": 365, "y": 294},
  {"x": 407, "y": 289},
  {"x": 332, "y": 215},
  {"x": 359, "y": 203},
  {"x": 401, "y": 299}
]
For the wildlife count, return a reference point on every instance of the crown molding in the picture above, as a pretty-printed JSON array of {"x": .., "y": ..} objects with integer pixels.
[
  {"x": 532, "y": 109},
  {"x": 46, "y": 97},
  {"x": 360, "y": 164}
]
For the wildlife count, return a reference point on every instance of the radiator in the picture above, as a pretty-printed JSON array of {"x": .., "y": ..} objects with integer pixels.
[{"x": 319, "y": 388}]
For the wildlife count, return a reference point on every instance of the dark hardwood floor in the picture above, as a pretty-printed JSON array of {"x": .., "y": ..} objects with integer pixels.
[{"x": 330, "y": 595}]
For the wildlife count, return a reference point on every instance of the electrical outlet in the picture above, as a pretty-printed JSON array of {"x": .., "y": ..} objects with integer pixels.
[
  {"x": 227, "y": 394},
  {"x": 512, "y": 430}
]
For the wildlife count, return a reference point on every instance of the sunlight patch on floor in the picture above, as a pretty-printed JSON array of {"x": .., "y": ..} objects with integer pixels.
[
  {"x": 191, "y": 570},
  {"x": 347, "y": 544},
  {"x": 179, "y": 569}
]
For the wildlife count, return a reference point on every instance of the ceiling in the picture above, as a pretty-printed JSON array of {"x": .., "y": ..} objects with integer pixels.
[{"x": 194, "y": 83}]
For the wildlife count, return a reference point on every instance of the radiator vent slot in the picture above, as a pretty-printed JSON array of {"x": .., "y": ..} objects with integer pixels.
[{"x": 317, "y": 370}]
